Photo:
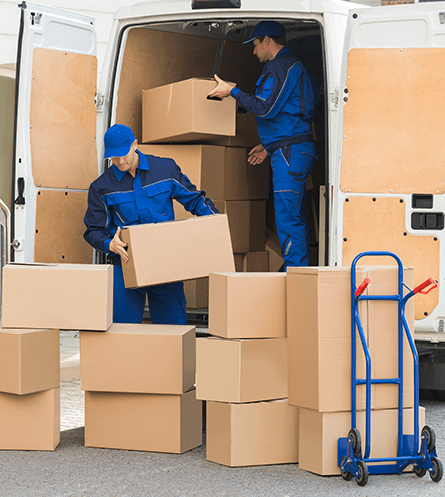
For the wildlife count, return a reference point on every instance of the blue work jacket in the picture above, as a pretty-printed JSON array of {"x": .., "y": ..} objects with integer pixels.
[
  {"x": 116, "y": 199},
  {"x": 285, "y": 100}
]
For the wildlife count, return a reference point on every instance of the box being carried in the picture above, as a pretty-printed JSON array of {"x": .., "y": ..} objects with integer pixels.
[{"x": 177, "y": 250}]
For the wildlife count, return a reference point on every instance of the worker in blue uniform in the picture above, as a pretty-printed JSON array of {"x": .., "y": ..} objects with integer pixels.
[
  {"x": 284, "y": 105},
  {"x": 138, "y": 189}
]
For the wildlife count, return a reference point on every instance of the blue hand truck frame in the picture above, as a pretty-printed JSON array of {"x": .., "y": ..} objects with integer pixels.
[{"x": 424, "y": 458}]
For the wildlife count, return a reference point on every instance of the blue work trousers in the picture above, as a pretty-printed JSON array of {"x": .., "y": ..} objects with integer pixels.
[
  {"x": 291, "y": 166},
  {"x": 166, "y": 302}
]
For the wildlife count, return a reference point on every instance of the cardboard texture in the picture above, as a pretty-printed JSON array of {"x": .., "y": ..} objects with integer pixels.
[
  {"x": 241, "y": 370},
  {"x": 60, "y": 296},
  {"x": 256, "y": 262},
  {"x": 319, "y": 434},
  {"x": 247, "y": 305},
  {"x": 252, "y": 434},
  {"x": 181, "y": 112},
  {"x": 29, "y": 360},
  {"x": 197, "y": 293},
  {"x": 177, "y": 250},
  {"x": 30, "y": 422},
  {"x": 138, "y": 358},
  {"x": 319, "y": 338},
  {"x": 247, "y": 223},
  {"x": 222, "y": 172},
  {"x": 132, "y": 421}
]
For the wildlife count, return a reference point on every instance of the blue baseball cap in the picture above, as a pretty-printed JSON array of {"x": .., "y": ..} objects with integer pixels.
[
  {"x": 266, "y": 28},
  {"x": 118, "y": 140}
]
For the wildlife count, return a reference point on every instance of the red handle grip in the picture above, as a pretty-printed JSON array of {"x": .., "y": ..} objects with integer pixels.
[
  {"x": 362, "y": 287},
  {"x": 425, "y": 284}
]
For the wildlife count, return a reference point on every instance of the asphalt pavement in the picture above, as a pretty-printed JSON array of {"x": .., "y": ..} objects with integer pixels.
[{"x": 75, "y": 470}]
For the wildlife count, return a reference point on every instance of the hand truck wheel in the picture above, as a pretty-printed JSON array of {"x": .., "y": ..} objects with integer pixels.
[
  {"x": 420, "y": 472},
  {"x": 346, "y": 475},
  {"x": 437, "y": 473},
  {"x": 430, "y": 436},
  {"x": 356, "y": 440},
  {"x": 362, "y": 478}
]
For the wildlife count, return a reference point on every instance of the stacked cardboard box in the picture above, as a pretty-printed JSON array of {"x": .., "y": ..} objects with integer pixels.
[
  {"x": 139, "y": 388},
  {"x": 319, "y": 340},
  {"x": 241, "y": 371}
]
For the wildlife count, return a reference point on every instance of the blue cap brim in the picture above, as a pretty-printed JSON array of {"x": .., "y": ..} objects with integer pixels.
[
  {"x": 116, "y": 152},
  {"x": 250, "y": 40}
]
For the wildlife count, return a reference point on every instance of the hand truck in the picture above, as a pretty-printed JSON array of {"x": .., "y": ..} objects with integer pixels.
[{"x": 350, "y": 460}]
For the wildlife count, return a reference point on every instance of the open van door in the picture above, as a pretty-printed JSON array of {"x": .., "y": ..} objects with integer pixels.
[
  {"x": 390, "y": 184},
  {"x": 55, "y": 158}
]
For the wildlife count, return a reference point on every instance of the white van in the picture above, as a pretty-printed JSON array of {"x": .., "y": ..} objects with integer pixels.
[{"x": 379, "y": 181}]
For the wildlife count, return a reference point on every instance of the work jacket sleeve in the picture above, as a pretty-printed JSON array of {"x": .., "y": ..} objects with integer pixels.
[{"x": 97, "y": 220}]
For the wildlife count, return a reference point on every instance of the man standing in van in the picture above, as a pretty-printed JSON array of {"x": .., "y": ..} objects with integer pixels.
[
  {"x": 138, "y": 189},
  {"x": 284, "y": 104}
]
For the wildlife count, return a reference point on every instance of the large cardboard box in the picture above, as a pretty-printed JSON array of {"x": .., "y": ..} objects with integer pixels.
[
  {"x": 31, "y": 421},
  {"x": 320, "y": 431},
  {"x": 241, "y": 370},
  {"x": 59, "y": 296},
  {"x": 197, "y": 293},
  {"x": 319, "y": 334},
  {"x": 177, "y": 250},
  {"x": 29, "y": 360},
  {"x": 137, "y": 421},
  {"x": 180, "y": 112},
  {"x": 138, "y": 358},
  {"x": 247, "y": 305},
  {"x": 252, "y": 434},
  {"x": 247, "y": 222}
]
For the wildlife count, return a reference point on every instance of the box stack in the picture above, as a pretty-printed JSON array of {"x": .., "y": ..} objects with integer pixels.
[
  {"x": 319, "y": 345},
  {"x": 241, "y": 372},
  {"x": 37, "y": 301},
  {"x": 139, "y": 388},
  {"x": 219, "y": 136}
]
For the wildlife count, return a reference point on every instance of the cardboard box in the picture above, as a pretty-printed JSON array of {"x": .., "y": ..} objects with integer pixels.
[
  {"x": 59, "y": 296},
  {"x": 247, "y": 222},
  {"x": 252, "y": 434},
  {"x": 177, "y": 250},
  {"x": 241, "y": 370},
  {"x": 256, "y": 262},
  {"x": 320, "y": 431},
  {"x": 197, "y": 293},
  {"x": 138, "y": 358},
  {"x": 247, "y": 305},
  {"x": 180, "y": 112},
  {"x": 137, "y": 421},
  {"x": 319, "y": 334},
  {"x": 31, "y": 421},
  {"x": 222, "y": 172},
  {"x": 29, "y": 360}
]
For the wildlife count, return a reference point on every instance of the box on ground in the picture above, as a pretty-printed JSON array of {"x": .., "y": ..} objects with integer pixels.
[
  {"x": 137, "y": 421},
  {"x": 320, "y": 431},
  {"x": 197, "y": 293},
  {"x": 319, "y": 338},
  {"x": 181, "y": 112},
  {"x": 241, "y": 370},
  {"x": 31, "y": 421},
  {"x": 59, "y": 296},
  {"x": 177, "y": 250},
  {"x": 252, "y": 434},
  {"x": 138, "y": 358},
  {"x": 247, "y": 305},
  {"x": 29, "y": 360},
  {"x": 247, "y": 222}
]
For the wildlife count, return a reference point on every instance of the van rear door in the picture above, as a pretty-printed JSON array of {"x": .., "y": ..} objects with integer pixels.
[
  {"x": 389, "y": 192},
  {"x": 55, "y": 157}
]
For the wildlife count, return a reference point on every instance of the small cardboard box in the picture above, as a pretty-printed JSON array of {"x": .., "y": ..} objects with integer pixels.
[
  {"x": 241, "y": 370},
  {"x": 247, "y": 222},
  {"x": 180, "y": 112},
  {"x": 319, "y": 334},
  {"x": 247, "y": 305},
  {"x": 256, "y": 262},
  {"x": 197, "y": 293},
  {"x": 59, "y": 296},
  {"x": 320, "y": 431},
  {"x": 31, "y": 421},
  {"x": 29, "y": 360},
  {"x": 177, "y": 250},
  {"x": 252, "y": 434},
  {"x": 138, "y": 358},
  {"x": 138, "y": 421}
]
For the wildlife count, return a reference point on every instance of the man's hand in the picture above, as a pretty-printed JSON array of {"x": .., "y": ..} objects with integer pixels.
[
  {"x": 222, "y": 90},
  {"x": 257, "y": 155},
  {"x": 118, "y": 246}
]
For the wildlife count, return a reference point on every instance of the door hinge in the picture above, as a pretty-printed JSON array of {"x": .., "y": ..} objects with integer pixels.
[
  {"x": 99, "y": 101},
  {"x": 35, "y": 18},
  {"x": 20, "y": 200},
  {"x": 334, "y": 98}
]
